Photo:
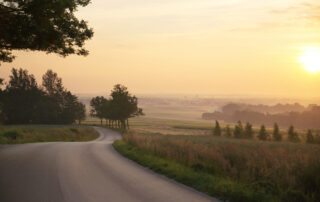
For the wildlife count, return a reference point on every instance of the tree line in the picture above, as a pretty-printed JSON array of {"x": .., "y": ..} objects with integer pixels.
[
  {"x": 117, "y": 109},
  {"x": 310, "y": 118},
  {"x": 246, "y": 132},
  {"x": 23, "y": 101}
]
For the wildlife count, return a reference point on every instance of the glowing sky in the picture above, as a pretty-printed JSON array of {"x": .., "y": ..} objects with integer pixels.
[{"x": 244, "y": 47}]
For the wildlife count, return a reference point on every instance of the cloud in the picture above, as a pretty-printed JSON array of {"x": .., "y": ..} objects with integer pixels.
[{"x": 303, "y": 14}]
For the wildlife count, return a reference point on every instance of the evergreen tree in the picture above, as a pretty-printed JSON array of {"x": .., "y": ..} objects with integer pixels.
[
  {"x": 263, "y": 135},
  {"x": 228, "y": 131},
  {"x": 238, "y": 130},
  {"x": 276, "y": 133},
  {"x": 310, "y": 138},
  {"x": 248, "y": 132},
  {"x": 217, "y": 129},
  {"x": 292, "y": 135}
]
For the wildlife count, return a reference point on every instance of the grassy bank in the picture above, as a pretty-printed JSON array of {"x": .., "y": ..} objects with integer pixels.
[
  {"x": 44, "y": 133},
  {"x": 235, "y": 170}
]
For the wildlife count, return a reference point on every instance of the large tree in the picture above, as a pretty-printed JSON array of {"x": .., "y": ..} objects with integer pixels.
[
  {"x": 20, "y": 98},
  {"x": 23, "y": 101},
  {"x": 124, "y": 105},
  {"x": 42, "y": 25},
  {"x": 98, "y": 107}
]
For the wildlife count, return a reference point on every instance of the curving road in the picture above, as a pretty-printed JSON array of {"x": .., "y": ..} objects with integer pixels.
[{"x": 83, "y": 172}]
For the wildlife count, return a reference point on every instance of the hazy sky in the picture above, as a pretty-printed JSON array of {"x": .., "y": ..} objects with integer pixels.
[{"x": 191, "y": 47}]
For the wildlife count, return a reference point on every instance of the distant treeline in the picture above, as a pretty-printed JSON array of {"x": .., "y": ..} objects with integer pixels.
[
  {"x": 284, "y": 115},
  {"x": 117, "y": 109},
  {"x": 23, "y": 101}
]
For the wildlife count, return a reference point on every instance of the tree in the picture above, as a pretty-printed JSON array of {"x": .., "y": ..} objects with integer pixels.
[
  {"x": 228, "y": 131},
  {"x": 98, "y": 107},
  {"x": 67, "y": 103},
  {"x": 23, "y": 102},
  {"x": 263, "y": 135},
  {"x": 80, "y": 111},
  {"x": 42, "y": 25},
  {"x": 123, "y": 105},
  {"x": 248, "y": 132},
  {"x": 292, "y": 135},
  {"x": 310, "y": 138},
  {"x": 52, "y": 84},
  {"x": 217, "y": 129},
  {"x": 20, "y": 98},
  {"x": 238, "y": 130},
  {"x": 276, "y": 133}
]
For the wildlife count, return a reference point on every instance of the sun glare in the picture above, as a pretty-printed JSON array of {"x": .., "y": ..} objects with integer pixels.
[{"x": 310, "y": 58}]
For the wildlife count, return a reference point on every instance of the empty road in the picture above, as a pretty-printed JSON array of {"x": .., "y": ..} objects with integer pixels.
[{"x": 83, "y": 172}]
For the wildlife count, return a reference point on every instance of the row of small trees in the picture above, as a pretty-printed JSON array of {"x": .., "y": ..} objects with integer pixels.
[
  {"x": 117, "y": 109},
  {"x": 23, "y": 101},
  {"x": 247, "y": 132}
]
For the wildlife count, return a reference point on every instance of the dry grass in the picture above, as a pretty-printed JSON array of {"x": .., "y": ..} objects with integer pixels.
[
  {"x": 46, "y": 133},
  {"x": 287, "y": 170}
]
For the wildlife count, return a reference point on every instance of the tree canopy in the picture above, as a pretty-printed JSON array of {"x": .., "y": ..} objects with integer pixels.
[
  {"x": 24, "y": 102},
  {"x": 118, "y": 108},
  {"x": 42, "y": 25}
]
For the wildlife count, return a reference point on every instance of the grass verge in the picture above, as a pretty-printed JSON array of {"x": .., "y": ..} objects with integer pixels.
[
  {"x": 234, "y": 169},
  {"x": 224, "y": 188},
  {"x": 43, "y": 133}
]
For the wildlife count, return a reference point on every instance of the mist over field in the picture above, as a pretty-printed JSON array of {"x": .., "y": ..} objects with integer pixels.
[{"x": 191, "y": 107}]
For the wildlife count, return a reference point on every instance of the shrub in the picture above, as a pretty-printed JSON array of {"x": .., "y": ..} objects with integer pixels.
[{"x": 11, "y": 134}]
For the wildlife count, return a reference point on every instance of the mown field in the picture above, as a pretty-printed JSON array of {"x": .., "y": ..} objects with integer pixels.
[
  {"x": 19, "y": 134},
  {"x": 228, "y": 168}
]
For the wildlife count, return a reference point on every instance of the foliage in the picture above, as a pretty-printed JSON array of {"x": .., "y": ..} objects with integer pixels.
[
  {"x": 310, "y": 138},
  {"x": 42, "y": 25},
  {"x": 24, "y": 102},
  {"x": 119, "y": 108},
  {"x": 238, "y": 130},
  {"x": 98, "y": 107},
  {"x": 228, "y": 131},
  {"x": 217, "y": 129},
  {"x": 292, "y": 135},
  {"x": 263, "y": 135},
  {"x": 276, "y": 133},
  {"x": 248, "y": 132}
]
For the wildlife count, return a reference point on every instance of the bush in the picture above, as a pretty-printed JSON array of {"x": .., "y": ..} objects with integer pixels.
[{"x": 11, "y": 134}]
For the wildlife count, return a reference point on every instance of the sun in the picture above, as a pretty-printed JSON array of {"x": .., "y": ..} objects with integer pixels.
[{"x": 310, "y": 58}]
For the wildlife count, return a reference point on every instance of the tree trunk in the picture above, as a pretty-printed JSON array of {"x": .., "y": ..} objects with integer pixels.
[{"x": 123, "y": 124}]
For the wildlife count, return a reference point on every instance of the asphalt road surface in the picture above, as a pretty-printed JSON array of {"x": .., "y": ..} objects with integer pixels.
[{"x": 83, "y": 172}]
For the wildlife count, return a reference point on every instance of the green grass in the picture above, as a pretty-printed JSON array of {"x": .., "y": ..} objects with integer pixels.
[
  {"x": 20, "y": 134},
  {"x": 232, "y": 169}
]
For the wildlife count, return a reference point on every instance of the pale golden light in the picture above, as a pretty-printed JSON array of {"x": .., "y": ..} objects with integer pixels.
[{"x": 310, "y": 58}]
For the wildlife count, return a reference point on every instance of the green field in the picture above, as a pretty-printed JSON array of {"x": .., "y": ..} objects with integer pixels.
[{"x": 18, "y": 134}]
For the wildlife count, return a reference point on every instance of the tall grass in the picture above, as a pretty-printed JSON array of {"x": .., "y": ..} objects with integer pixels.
[
  {"x": 287, "y": 170},
  {"x": 42, "y": 133}
]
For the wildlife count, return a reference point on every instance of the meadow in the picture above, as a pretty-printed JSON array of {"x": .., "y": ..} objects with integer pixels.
[
  {"x": 228, "y": 168},
  {"x": 18, "y": 134}
]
